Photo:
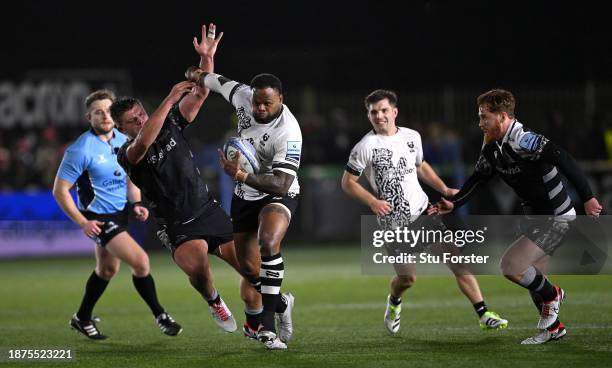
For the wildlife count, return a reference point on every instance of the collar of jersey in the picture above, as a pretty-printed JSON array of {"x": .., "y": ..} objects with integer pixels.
[{"x": 515, "y": 124}]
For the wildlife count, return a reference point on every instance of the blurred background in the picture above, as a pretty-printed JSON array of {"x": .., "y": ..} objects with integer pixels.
[{"x": 438, "y": 56}]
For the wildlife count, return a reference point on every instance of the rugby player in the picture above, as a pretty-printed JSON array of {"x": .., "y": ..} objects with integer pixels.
[
  {"x": 263, "y": 203},
  {"x": 391, "y": 157},
  {"x": 103, "y": 189},
  {"x": 532, "y": 166},
  {"x": 159, "y": 160}
]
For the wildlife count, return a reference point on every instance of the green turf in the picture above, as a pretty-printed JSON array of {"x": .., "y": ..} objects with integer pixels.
[{"x": 338, "y": 319}]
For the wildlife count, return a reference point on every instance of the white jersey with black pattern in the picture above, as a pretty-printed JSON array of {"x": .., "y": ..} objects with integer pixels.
[
  {"x": 390, "y": 166},
  {"x": 278, "y": 143}
]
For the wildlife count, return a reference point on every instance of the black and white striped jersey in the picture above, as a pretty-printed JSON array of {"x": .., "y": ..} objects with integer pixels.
[{"x": 532, "y": 165}]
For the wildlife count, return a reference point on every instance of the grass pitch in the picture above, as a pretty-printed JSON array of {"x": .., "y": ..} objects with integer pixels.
[{"x": 338, "y": 319}]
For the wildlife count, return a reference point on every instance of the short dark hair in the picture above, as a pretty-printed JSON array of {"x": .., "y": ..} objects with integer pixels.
[
  {"x": 122, "y": 105},
  {"x": 498, "y": 100},
  {"x": 101, "y": 94},
  {"x": 378, "y": 95},
  {"x": 266, "y": 80}
]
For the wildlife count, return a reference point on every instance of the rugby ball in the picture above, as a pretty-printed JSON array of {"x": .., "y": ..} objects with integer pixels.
[{"x": 248, "y": 155}]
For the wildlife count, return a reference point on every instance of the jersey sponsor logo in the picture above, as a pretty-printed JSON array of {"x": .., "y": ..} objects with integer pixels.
[
  {"x": 513, "y": 170},
  {"x": 294, "y": 151},
  {"x": 109, "y": 182},
  {"x": 153, "y": 159}
]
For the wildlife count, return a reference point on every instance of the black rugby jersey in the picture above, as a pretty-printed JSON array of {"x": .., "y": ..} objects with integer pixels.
[
  {"x": 167, "y": 175},
  {"x": 530, "y": 164}
]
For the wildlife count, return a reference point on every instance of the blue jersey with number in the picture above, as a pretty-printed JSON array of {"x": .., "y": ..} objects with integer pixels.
[{"x": 92, "y": 164}]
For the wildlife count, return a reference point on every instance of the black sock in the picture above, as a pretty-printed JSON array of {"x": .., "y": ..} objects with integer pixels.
[
  {"x": 146, "y": 289},
  {"x": 94, "y": 288},
  {"x": 271, "y": 274},
  {"x": 395, "y": 300},
  {"x": 537, "y": 300},
  {"x": 480, "y": 308},
  {"x": 253, "y": 319},
  {"x": 543, "y": 288},
  {"x": 281, "y": 305},
  {"x": 554, "y": 326},
  {"x": 214, "y": 299}
]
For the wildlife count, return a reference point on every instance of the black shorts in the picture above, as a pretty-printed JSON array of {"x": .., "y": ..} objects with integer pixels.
[
  {"x": 213, "y": 226},
  {"x": 245, "y": 214},
  {"x": 546, "y": 232},
  {"x": 114, "y": 223}
]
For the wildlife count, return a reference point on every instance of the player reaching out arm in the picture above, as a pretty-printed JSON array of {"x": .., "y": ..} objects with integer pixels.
[
  {"x": 158, "y": 159},
  {"x": 101, "y": 211},
  {"x": 531, "y": 165},
  {"x": 263, "y": 204}
]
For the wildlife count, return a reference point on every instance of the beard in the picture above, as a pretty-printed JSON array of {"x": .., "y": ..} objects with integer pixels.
[
  {"x": 267, "y": 118},
  {"x": 100, "y": 130},
  {"x": 493, "y": 134}
]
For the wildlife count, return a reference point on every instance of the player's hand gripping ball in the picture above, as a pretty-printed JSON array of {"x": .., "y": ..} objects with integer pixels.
[{"x": 248, "y": 155}]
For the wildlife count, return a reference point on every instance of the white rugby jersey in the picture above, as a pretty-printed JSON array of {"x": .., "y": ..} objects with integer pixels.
[
  {"x": 389, "y": 163},
  {"x": 278, "y": 143}
]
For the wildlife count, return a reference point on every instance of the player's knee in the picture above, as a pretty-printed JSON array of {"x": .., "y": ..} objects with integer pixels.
[
  {"x": 249, "y": 269},
  {"x": 141, "y": 268},
  {"x": 268, "y": 244},
  {"x": 107, "y": 272},
  {"x": 509, "y": 267}
]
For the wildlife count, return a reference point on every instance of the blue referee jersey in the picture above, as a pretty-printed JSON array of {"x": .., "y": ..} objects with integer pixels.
[{"x": 92, "y": 164}]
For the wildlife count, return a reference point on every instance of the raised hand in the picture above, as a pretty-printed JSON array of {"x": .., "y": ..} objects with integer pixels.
[{"x": 207, "y": 47}]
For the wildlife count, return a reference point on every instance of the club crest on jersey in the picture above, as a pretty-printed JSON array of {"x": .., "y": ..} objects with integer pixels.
[{"x": 411, "y": 146}]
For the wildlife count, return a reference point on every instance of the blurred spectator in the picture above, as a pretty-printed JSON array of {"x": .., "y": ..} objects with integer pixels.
[{"x": 47, "y": 156}]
